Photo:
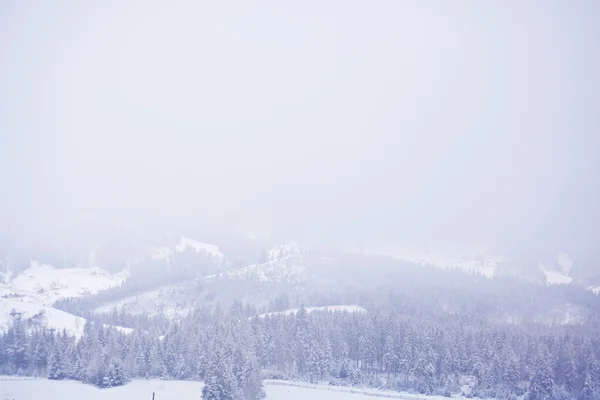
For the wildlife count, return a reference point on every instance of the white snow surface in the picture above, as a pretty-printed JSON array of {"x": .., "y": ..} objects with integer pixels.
[
  {"x": 44, "y": 316},
  {"x": 292, "y": 390},
  {"x": 556, "y": 278},
  {"x": 287, "y": 250},
  {"x": 48, "y": 284},
  {"x": 347, "y": 308},
  {"x": 32, "y": 293},
  {"x": 36, "y": 389},
  {"x": 210, "y": 249},
  {"x": 162, "y": 301},
  {"x": 594, "y": 289},
  {"x": 185, "y": 243}
]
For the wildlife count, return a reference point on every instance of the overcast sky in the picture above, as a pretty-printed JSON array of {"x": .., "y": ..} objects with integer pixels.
[{"x": 454, "y": 120}]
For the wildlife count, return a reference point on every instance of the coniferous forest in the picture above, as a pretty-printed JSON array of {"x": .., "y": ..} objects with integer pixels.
[{"x": 424, "y": 353}]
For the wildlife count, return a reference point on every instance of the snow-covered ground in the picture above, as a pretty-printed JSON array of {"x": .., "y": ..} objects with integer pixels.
[
  {"x": 32, "y": 293},
  {"x": 210, "y": 249},
  {"x": 347, "y": 308},
  {"x": 47, "y": 284},
  {"x": 186, "y": 243},
  {"x": 165, "y": 301},
  {"x": 41, "y": 315},
  {"x": 281, "y": 389},
  {"x": 35, "y": 389},
  {"x": 556, "y": 278},
  {"x": 594, "y": 289},
  {"x": 45, "y": 316}
]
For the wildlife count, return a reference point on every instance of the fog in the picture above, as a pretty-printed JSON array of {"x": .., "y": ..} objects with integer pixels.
[{"x": 460, "y": 122}]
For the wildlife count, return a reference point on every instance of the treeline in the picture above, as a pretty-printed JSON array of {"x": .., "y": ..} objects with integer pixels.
[
  {"x": 433, "y": 354},
  {"x": 213, "y": 348},
  {"x": 427, "y": 353}
]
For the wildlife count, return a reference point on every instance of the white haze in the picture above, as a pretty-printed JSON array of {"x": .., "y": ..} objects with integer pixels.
[{"x": 463, "y": 122}]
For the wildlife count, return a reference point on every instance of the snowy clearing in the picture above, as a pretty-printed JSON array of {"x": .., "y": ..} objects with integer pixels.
[
  {"x": 556, "y": 278},
  {"x": 43, "y": 316},
  {"x": 27, "y": 389},
  {"x": 210, "y": 249},
  {"x": 279, "y": 390},
  {"x": 34, "y": 389},
  {"x": 594, "y": 289}
]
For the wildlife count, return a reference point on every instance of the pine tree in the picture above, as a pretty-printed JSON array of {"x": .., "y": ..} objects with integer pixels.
[
  {"x": 16, "y": 343},
  {"x": 56, "y": 363},
  {"x": 587, "y": 392},
  {"x": 40, "y": 354},
  {"x": 219, "y": 382},
  {"x": 542, "y": 384}
]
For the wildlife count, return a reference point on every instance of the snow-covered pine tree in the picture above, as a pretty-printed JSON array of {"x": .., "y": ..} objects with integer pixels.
[
  {"x": 39, "y": 358},
  {"x": 56, "y": 363},
  {"x": 16, "y": 344},
  {"x": 219, "y": 381}
]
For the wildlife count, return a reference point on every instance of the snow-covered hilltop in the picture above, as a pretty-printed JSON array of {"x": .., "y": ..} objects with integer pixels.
[
  {"x": 33, "y": 291},
  {"x": 48, "y": 284},
  {"x": 187, "y": 244}
]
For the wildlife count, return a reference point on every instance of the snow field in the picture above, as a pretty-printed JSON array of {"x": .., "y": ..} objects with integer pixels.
[
  {"x": 35, "y": 389},
  {"x": 27, "y": 389}
]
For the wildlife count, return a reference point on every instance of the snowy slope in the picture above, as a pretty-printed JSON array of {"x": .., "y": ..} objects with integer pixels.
[
  {"x": 594, "y": 289},
  {"x": 35, "y": 389},
  {"x": 556, "y": 278},
  {"x": 558, "y": 273},
  {"x": 167, "y": 301},
  {"x": 187, "y": 244},
  {"x": 49, "y": 284},
  {"x": 38, "y": 316},
  {"x": 32, "y": 293}
]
